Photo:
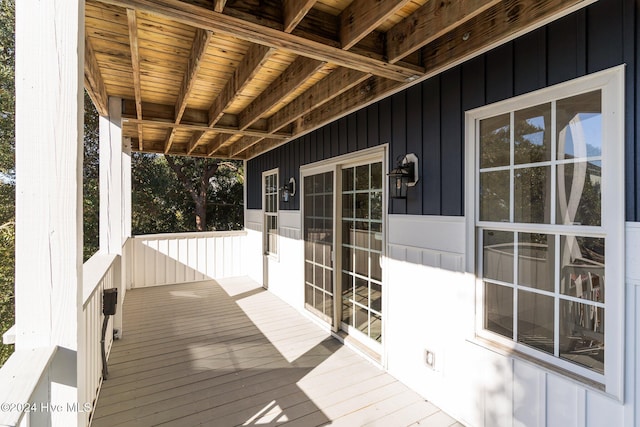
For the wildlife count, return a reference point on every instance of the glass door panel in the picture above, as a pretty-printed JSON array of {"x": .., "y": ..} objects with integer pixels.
[
  {"x": 361, "y": 248},
  {"x": 318, "y": 244}
]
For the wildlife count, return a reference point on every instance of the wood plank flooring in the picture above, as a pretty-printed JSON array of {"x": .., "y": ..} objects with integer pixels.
[{"x": 227, "y": 353}]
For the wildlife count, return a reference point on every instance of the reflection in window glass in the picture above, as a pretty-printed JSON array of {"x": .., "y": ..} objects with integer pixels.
[
  {"x": 536, "y": 261},
  {"x": 494, "y": 141},
  {"x": 582, "y": 334},
  {"x": 539, "y": 183},
  {"x": 582, "y": 267},
  {"x": 494, "y": 196},
  {"x": 536, "y": 320},
  {"x": 498, "y": 313},
  {"x": 532, "y": 128},
  {"x": 532, "y": 195},
  {"x": 497, "y": 255},
  {"x": 579, "y": 126},
  {"x": 579, "y": 193}
]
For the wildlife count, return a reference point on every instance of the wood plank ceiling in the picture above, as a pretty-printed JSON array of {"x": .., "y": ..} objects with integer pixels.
[{"x": 235, "y": 78}]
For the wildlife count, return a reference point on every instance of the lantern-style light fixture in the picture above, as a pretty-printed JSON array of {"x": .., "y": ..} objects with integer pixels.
[
  {"x": 288, "y": 190},
  {"x": 405, "y": 175}
]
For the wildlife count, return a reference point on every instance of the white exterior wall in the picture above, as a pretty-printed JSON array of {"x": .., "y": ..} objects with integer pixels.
[
  {"x": 430, "y": 305},
  {"x": 253, "y": 224}
]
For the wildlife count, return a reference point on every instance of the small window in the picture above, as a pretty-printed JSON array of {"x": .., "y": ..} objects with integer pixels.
[
  {"x": 270, "y": 180},
  {"x": 547, "y": 219}
]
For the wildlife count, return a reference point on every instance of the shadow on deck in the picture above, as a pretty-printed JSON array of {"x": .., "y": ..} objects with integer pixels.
[{"x": 227, "y": 353}]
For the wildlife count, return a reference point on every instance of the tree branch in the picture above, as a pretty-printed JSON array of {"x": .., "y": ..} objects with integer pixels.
[{"x": 186, "y": 182}]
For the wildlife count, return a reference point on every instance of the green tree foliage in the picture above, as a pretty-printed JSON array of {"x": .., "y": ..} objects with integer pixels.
[
  {"x": 164, "y": 201},
  {"x": 7, "y": 172},
  {"x": 91, "y": 179}
]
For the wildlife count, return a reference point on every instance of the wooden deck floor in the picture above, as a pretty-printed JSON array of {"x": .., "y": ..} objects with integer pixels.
[{"x": 229, "y": 353}]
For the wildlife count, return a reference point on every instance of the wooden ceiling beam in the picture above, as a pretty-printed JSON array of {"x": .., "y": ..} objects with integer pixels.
[
  {"x": 286, "y": 83},
  {"x": 364, "y": 93},
  {"x": 135, "y": 65},
  {"x": 243, "y": 144},
  {"x": 503, "y": 22},
  {"x": 429, "y": 22},
  {"x": 294, "y": 11},
  {"x": 333, "y": 85},
  {"x": 93, "y": 82},
  {"x": 361, "y": 17},
  {"x": 262, "y": 147},
  {"x": 225, "y": 130},
  {"x": 198, "y": 49},
  {"x": 250, "y": 65},
  {"x": 216, "y": 143},
  {"x": 200, "y": 17},
  {"x": 328, "y": 88},
  {"x": 218, "y": 5}
]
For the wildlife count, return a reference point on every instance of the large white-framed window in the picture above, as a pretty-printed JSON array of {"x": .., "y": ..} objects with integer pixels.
[
  {"x": 270, "y": 209},
  {"x": 545, "y": 209}
]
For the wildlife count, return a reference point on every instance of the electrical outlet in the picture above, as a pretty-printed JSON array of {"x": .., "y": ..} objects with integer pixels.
[{"x": 430, "y": 359}]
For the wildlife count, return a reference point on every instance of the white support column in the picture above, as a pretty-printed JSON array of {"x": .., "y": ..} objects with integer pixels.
[
  {"x": 125, "y": 258},
  {"x": 49, "y": 138},
  {"x": 111, "y": 201}
]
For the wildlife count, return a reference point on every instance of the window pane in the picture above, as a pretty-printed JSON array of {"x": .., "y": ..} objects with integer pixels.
[
  {"x": 376, "y": 205},
  {"x": 362, "y": 205},
  {"x": 362, "y": 291},
  {"x": 376, "y": 270},
  {"x": 532, "y": 188},
  {"x": 579, "y": 193},
  {"x": 376, "y": 236},
  {"x": 347, "y": 259},
  {"x": 376, "y": 175},
  {"x": 582, "y": 267},
  {"x": 347, "y": 206},
  {"x": 494, "y": 141},
  {"x": 582, "y": 334},
  {"x": 375, "y": 331},
  {"x": 536, "y": 261},
  {"x": 498, "y": 312},
  {"x": 497, "y": 255},
  {"x": 532, "y": 134},
  {"x": 362, "y": 177},
  {"x": 308, "y": 295},
  {"x": 494, "y": 196},
  {"x": 347, "y": 179},
  {"x": 362, "y": 319},
  {"x": 536, "y": 320},
  {"x": 579, "y": 126},
  {"x": 361, "y": 262},
  {"x": 348, "y": 233},
  {"x": 376, "y": 297}
]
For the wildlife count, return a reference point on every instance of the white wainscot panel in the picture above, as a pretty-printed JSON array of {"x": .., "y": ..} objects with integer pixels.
[
  {"x": 286, "y": 275},
  {"x": 178, "y": 258},
  {"x": 632, "y": 240}
]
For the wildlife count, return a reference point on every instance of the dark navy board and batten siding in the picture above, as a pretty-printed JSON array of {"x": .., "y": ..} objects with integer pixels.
[{"x": 428, "y": 118}]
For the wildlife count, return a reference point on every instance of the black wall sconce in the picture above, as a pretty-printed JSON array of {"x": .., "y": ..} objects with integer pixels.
[
  {"x": 405, "y": 175},
  {"x": 288, "y": 190}
]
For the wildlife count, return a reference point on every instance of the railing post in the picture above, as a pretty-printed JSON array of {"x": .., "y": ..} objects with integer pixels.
[{"x": 49, "y": 141}]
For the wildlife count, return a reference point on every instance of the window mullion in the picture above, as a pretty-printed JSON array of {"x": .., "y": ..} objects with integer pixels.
[
  {"x": 516, "y": 236},
  {"x": 511, "y": 163},
  {"x": 554, "y": 158},
  {"x": 556, "y": 300}
]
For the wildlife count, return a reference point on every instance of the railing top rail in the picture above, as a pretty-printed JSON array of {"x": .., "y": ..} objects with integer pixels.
[
  {"x": 191, "y": 234},
  {"x": 93, "y": 271},
  {"x": 19, "y": 377}
]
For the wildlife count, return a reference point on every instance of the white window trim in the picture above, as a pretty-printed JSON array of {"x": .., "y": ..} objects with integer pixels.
[
  {"x": 276, "y": 255},
  {"x": 611, "y": 82}
]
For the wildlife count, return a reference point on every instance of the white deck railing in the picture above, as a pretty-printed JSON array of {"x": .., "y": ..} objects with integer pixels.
[
  {"x": 26, "y": 378},
  {"x": 162, "y": 259},
  {"x": 101, "y": 271}
]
